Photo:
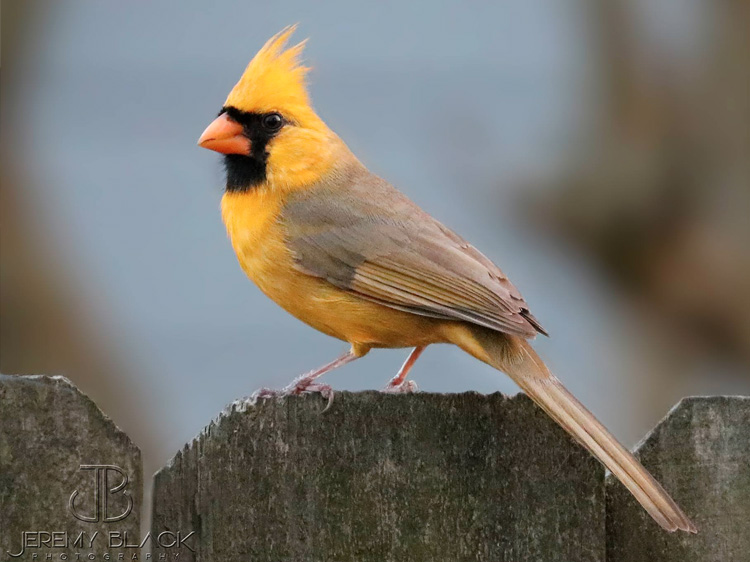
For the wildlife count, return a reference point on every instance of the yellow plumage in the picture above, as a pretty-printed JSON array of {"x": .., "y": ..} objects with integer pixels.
[
  {"x": 301, "y": 157},
  {"x": 259, "y": 243},
  {"x": 274, "y": 78},
  {"x": 348, "y": 254}
]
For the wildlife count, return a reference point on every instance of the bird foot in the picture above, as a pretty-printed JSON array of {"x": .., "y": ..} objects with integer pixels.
[
  {"x": 405, "y": 387},
  {"x": 301, "y": 385}
]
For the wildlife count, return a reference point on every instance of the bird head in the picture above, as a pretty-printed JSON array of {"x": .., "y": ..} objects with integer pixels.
[{"x": 267, "y": 130}]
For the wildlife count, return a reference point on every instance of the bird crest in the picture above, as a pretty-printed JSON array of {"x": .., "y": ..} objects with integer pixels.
[{"x": 274, "y": 80}]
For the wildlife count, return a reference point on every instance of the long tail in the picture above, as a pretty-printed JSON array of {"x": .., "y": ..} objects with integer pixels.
[{"x": 518, "y": 359}]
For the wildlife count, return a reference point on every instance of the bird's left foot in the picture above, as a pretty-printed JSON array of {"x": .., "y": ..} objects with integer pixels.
[
  {"x": 399, "y": 384},
  {"x": 402, "y": 387}
]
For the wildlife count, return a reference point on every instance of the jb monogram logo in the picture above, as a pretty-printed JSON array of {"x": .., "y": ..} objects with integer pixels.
[{"x": 102, "y": 493}]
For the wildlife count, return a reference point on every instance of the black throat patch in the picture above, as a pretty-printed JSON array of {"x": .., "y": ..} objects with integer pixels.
[{"x": 246, "y": 172}]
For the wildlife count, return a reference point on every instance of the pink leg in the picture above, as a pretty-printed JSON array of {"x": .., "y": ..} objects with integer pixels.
[
  {"x": 306, "y": 383},
  {"x": 399, "y": 383}
]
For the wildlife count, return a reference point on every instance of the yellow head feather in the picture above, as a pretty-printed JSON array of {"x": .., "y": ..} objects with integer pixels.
[
  {"x": 302, "y": 152},
  {"x": 274, "y": 80}
]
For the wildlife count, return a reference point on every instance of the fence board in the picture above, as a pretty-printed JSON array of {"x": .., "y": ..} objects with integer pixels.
[
  {"x": 385, "y": 478},
  {"x": 701, "y": 454},
  {"x": 48, "y": 429},
  {"x": 377, "y": 477}
]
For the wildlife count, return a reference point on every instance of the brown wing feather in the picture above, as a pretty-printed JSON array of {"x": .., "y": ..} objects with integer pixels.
[{"x": 364, "y": 236}]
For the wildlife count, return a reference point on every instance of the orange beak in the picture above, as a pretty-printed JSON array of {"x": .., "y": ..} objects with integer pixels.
[{"x": 226, "y": 136}]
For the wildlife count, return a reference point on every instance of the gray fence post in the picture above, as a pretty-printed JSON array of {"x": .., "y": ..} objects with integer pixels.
[
  {"x": 376, "y": 478},
  {"x": 55, "y": 442},
  {"x": 425, "y": 477},
  {"x": 701, "y": 453}
]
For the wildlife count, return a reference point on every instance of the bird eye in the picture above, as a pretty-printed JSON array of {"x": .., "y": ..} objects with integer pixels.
[{"x": 272, "y": 122}]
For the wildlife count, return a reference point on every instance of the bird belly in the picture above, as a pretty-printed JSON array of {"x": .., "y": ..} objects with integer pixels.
[
  {"x": 340, "y": 313},
  {"x": 258, "y": 241}
]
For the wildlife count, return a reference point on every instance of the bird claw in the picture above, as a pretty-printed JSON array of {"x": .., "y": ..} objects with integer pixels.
[
  {"x": 301, "y": 385},
  {"x": 307, "y": 385},
  {"x": 326, "y": 392},
  {"x": 405, "y": 387}
]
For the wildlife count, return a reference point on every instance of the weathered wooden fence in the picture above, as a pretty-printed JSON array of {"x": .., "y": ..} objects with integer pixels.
[
  {"x": 48, "y": 432},
  {"x": 425, "y": 477}
]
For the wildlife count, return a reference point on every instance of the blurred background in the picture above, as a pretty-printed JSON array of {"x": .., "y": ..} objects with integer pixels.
[{"x": 597, "y": 151}]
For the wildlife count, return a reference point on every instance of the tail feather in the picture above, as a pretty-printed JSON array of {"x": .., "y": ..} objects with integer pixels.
[{"x": 524, "y": 366}]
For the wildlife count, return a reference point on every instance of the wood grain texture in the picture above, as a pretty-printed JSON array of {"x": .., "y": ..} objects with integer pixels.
[
  {"x": 386, "y": 478},
  {"x": 701, "y": 453},
  {"x": 48, "y": 429}
]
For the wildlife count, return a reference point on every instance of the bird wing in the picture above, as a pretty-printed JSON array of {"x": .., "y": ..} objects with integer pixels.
[{"x": 368, "y": 238}]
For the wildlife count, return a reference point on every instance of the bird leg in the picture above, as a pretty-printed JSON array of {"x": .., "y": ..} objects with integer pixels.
[
  {"x": 399, "y": 384},
  {"x": 306, "y": 383}
]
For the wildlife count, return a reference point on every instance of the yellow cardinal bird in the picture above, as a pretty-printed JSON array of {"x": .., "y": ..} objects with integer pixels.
[{"x": 344, "y": 251}]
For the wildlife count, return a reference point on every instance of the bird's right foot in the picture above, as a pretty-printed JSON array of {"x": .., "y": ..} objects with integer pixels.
[{"x": 304, "y": 384}]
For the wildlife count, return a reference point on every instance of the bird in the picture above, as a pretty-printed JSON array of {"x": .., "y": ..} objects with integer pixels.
[{"x": 347, "y": 253}]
